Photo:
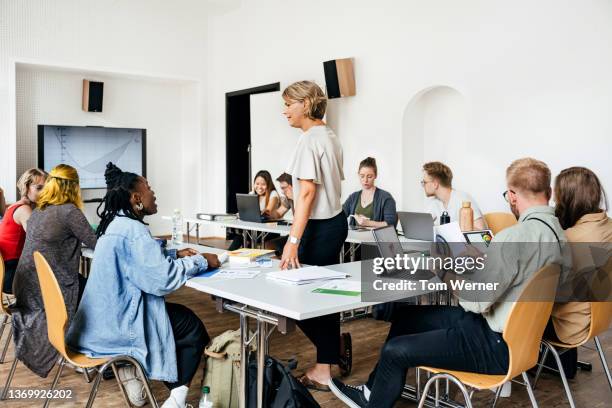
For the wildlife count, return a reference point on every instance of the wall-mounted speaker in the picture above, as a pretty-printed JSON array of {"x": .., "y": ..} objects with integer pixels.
[
  {"x": 339, "y": 78},
  {"x": 92, "y": 96}
]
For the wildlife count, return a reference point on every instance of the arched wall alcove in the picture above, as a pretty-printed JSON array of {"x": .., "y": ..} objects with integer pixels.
[{"x": 434, "y": 126}]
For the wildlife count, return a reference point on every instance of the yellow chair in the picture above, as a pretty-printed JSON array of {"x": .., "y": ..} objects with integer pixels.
[
  {"x": 498, "y": 221},
  {"x": 523, "y": 332},
  {"x": 57, "y": 319},
  {"x": 601, "y": 317}
]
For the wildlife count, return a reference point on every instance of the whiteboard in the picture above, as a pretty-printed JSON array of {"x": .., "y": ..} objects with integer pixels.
[{"x": 272, "y": 139}]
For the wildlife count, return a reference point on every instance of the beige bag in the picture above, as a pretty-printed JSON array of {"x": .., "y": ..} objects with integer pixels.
[{"x": 222, "y": 369}]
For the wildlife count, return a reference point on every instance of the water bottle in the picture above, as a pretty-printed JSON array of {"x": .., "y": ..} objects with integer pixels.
[
  {"x": 177, "y": 228},
  {"x": 466, "y": 217},
  {"x": 206, "y": 400}
]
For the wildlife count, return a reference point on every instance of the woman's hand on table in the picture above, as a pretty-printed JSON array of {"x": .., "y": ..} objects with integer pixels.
[
  {"x": 212, "y": 260},
  {"x": 290, "y": 260},
  {"x": 181, "y": 253}
]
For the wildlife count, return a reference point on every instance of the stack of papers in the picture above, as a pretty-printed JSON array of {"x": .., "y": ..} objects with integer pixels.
[{"x": 304, "y": 276}]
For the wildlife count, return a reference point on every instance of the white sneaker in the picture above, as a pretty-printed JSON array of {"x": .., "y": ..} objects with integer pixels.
[{"x": 133, "y": 386}]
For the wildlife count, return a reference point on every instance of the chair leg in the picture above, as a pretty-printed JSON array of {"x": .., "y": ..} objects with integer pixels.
[
  {"x": 534, "y": 403},
  {"x": 5, "y": 318},
  {"x": 6, "y": 345},
  {"x": 121, "y": 386},
  {"x": 602, "y": 356},
  {"x": 435, "y": 378},
  {"x": 568, "y": 391},
  {"x": 94, "y": 387},
  {"x": 540, "y": 365},
  {"x": 497, "y": 392},
  {"x": 145, "y": 382},
  {"x": 9, "y": 379},
  {"x": 55, "y": 380}
]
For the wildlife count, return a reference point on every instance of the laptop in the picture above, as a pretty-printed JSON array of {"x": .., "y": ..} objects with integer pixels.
[
  {"x": 248, "y": 209},
  {"x": 389, "y": 246},
  {"x": 417, "y": 225}
]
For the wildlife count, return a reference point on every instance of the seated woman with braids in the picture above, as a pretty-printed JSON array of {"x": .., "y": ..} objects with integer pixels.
[{"x": 123, "y": 310}]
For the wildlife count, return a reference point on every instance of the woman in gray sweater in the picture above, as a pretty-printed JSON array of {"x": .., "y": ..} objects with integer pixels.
[
  {"x": 56, "y": 228},
  {"x": 371, "y": 206}
]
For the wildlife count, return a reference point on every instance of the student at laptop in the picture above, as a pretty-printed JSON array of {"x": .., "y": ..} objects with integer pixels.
[
  {"x": 441, "y": 196},
  {"x": 469, "y": 337},
  {"x": 371, "y": 206},
  {"x": 263, "y": 186},
  {"x": 319, "y": 225}
]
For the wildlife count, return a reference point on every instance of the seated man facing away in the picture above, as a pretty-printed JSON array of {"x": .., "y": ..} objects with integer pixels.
[
  {"x": 469, "y": 337},
  {"x": 441, "y": 196}
]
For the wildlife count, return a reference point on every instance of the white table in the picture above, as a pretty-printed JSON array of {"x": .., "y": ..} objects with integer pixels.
[{"x": 272, "y": 304}]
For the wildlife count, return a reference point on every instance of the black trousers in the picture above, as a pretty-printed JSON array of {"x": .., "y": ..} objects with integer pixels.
[
  {"x": 437, "y": 336},
  {"x": 190, "y": 338},
  {"x": 320, "y": 245},
  {"x": 9, "y": 273}
]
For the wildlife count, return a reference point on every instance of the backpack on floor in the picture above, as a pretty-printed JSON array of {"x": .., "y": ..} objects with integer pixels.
[
  {"x": 222, "y": 369},
  {"x": 281, "y": 389}
]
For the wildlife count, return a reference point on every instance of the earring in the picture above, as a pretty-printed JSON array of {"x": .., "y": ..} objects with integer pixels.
[{"x": 139, "y": 206}]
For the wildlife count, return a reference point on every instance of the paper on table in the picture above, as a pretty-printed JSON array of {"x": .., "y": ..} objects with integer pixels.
[
  {"x": 237, "y": 273},
  {"x": 340, "y": 287},
  {"x": 302, "y": 276}
]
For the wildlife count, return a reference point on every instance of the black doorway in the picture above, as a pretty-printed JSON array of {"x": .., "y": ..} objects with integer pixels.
[{"x": 238, "y": 142}]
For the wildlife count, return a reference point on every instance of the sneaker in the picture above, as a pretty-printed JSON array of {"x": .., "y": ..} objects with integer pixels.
[
  {"x": 346, "y": 354},
  {"x": 134, "y": 388},
  {"x": 353, "y": 396}
]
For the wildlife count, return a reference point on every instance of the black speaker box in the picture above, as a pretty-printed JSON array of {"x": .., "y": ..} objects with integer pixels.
[
  {"x": 339, "y": 78},
  {"x": 93, "y": 93}
]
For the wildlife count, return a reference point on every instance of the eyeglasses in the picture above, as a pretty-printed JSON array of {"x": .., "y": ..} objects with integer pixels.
[{"x": 505, "y": 195}]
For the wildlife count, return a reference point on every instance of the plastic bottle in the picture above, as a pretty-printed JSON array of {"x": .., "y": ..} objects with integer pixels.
[
  {"x": 205, "y": 400},
  {"x": 177, "y": 227},
  {"x": 466, "y": 217}
]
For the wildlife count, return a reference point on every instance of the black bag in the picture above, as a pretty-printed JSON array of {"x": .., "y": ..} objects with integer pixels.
[{"x": 281, "y": 389}]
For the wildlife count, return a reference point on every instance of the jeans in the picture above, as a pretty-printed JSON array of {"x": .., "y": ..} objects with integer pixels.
[
  {"x": 445, "y": 337},
  {"x": 190, "y": 338},
  {"x": 320, "y": 245}
]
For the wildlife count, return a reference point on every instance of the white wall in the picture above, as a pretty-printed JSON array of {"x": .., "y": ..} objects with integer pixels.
[
  {"x": 53, "y": 97},
  {"x": 535, "y": 79},
  {"x": 135, "y": 38}
]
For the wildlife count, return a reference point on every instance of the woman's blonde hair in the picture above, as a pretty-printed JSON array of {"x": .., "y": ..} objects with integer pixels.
[
  {"x": 62, "y": 187},
  {"x": 26, "y": 180},
  {"x": 311, "y": 95}
]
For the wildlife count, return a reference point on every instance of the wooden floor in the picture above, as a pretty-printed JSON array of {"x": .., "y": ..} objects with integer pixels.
[{"x": 590, "y": 388}]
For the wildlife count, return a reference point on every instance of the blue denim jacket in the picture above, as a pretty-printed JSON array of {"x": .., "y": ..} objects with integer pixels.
[{"x": 123, "y": 310}]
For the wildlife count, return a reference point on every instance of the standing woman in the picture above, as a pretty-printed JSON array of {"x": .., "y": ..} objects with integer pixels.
[
  {"x": 13, "y": 226},
  {"x": 57, "y": 228},
  {"x": 319, "y": 226}
]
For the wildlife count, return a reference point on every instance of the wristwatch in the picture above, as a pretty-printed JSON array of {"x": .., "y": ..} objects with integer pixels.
[{"x": 294, "y": 240}]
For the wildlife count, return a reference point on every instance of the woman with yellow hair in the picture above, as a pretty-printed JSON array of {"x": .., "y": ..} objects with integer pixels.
[{"x": 56, "y": 228}]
